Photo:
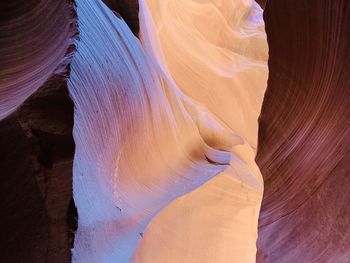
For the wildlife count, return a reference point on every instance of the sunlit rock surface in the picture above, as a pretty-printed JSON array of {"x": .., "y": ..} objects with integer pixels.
[
  {"x": 216, "y": 222},
  {"x": 141, "y": 142}
]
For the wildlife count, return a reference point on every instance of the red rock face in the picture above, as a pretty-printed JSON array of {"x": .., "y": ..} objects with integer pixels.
[
  {"x": 36, "y": 40},
  {"x": 304, "y": 133},
  {"x": 36, "y": 144}
]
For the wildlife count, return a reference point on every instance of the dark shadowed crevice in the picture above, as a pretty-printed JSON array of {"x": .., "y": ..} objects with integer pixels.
[
  {"x": 37, "y": 150},
  {"x": 72, "y": 221},
  {"x": 128, "y": 10},
  {"x": 36, "y": 143}
]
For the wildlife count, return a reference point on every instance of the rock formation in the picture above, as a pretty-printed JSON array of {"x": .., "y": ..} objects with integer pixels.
[
  {"x": 304, "y": 133},
  {"x": 161, "y": 156}
]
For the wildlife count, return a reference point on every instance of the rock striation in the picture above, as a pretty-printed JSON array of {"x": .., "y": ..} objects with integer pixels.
[{"x": 304, "y": 133}]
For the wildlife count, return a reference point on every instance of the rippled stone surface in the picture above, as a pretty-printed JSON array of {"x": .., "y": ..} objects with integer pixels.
[
  {"x": 304, "y": 133},
  {"x": 35, "y": 43}
]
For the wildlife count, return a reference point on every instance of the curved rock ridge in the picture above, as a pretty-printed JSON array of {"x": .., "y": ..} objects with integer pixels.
[
  {"x": 218, "y": 221},
  {"x": 35, "y": 43},
  {"x": 304, "y": 137},
  {"x": 141, "y": 142},
  {"x": 216, "y": 51}
]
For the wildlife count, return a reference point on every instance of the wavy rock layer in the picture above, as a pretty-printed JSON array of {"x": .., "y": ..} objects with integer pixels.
[
  {"x": 137, "y": 147},
  {"x": 304, "y": 133},
  {"x": 141, "y": 142},
  {"x": 35, "y": 37},
  {"x": 36, "y": 143}
]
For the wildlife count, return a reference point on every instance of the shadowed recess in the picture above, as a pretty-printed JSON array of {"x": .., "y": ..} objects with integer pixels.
[
  {"x": 304, "y": 133},
  {"x": 36, "y": 144}
]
